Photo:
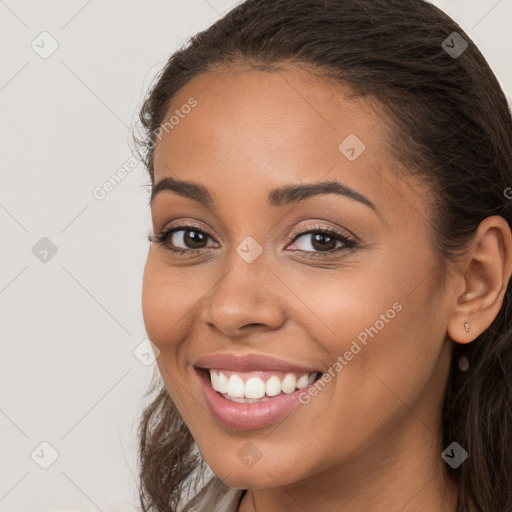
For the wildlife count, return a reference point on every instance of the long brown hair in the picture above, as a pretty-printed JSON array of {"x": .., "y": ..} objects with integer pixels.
[{"x": 451, "y": 127}]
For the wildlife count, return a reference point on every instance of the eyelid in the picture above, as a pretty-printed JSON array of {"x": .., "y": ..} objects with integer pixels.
[
  {"x": 317, "y": 227},
  {"x": 184, "y": 225}
]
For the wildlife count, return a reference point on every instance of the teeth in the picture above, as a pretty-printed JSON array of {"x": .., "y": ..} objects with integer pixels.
[
  {"x": 303, "y": 381},
  {"x": 273, "y": 386},
  {"x": 256, "y": 389},
  {"x": 236, "y": 387},
  {"x": 246, "y": 400},
  {"x": 214, "y": 377},
  {"x": 288, "y": 384},
  {"x": 222, "y": 384}
]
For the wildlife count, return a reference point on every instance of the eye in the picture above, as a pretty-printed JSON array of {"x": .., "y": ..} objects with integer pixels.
[
  {"x": 183, "y": 239},
  {"x": 321, "y": 240},
  {"x": 317, "y": 241}
]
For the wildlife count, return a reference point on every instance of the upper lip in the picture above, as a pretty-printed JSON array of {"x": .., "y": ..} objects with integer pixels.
[{"x": 249, "y": 362}]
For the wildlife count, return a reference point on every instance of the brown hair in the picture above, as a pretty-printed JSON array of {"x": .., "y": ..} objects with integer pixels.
[{"x": 451, "y": 127}]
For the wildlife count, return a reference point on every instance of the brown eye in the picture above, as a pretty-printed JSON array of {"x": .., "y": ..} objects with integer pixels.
[
  {"x": 319, "y": 241},
  {"x": 188, "y": 239},
  {"x": 184, "y": 239}
]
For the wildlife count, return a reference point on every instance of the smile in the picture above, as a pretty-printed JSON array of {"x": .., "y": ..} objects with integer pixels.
[
  {"x": 252, "y": 391},
  {"x": 259, "y": 386}
]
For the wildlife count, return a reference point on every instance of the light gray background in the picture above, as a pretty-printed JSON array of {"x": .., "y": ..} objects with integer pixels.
[{"x": 70, "y": 325}]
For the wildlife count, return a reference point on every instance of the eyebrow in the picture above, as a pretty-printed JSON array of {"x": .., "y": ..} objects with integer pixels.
[{"x": 278, "y": 197}]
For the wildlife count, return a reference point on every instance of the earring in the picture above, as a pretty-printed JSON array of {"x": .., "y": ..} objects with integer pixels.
[
  {"x": 463, "y": 364},
  {"x": 466, "y": 326}
]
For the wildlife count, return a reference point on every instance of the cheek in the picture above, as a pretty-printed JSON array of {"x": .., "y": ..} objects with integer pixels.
[
  {"x": 383, "y": 321},
  {"x": 336, "y": 307},
  {"x": 169, "y": 300},
  {"x": 164, "y": 306},
  {"x": 154, "y": 302},
  {"x": 390, "y": 342}
]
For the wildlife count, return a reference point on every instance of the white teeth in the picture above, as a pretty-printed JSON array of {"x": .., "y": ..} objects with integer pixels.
[
  {"x": 235, "y": 386},
  {"x": 214, "y": 374},
  {"x": 222, "y": 384},
  {"x": 273, "y": 386},
  {"x": 288, "y": 384},
  {"x": 256, "y": 389},
  {"x": 246, "y": 400},
  {"x": 303, "y": 381}
]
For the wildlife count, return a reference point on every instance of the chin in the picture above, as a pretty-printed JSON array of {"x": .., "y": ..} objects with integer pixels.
[{"x": 262, "y": 475}]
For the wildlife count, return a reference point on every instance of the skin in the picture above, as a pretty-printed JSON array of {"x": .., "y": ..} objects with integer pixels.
[{"x": 370, "y": 440}]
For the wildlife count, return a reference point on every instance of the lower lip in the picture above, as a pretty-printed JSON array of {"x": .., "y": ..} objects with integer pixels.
[{"x": 248, "y": 416}]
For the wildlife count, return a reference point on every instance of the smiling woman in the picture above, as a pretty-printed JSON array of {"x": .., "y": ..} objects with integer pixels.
[{"x": 329, "y": 222}]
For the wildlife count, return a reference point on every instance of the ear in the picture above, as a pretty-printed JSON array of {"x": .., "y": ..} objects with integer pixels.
[{"x": 483, "y": 275}]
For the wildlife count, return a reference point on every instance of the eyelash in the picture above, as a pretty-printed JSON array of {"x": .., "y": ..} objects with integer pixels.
[{"x": 162, "y": 237}]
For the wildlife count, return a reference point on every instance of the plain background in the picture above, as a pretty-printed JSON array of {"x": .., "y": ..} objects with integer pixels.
[{"x": 71, "y": 323}]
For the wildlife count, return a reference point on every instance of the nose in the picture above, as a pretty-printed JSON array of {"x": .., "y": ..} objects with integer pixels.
[{"x": 244, "y": 299}]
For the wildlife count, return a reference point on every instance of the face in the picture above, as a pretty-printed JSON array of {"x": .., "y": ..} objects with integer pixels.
[{"x": 271, "y": 279}]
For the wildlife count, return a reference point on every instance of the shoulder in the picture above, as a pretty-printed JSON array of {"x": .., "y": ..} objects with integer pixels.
[{"x": 215, "y": 496}]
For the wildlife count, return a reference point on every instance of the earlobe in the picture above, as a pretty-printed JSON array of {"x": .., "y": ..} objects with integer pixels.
[
  {"x": 485, "y": 271},
  {"x": 462, "y": 332}
]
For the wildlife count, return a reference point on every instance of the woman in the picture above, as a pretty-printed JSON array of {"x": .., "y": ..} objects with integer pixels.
[{"x": 329, "y": 263}]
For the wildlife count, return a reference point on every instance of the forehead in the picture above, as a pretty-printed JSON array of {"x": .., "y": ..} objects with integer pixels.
[
  {"x": 251, "y": 130},
  {"x": 285, "y": 113}
]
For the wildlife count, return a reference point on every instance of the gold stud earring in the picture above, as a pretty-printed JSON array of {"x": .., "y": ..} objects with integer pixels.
[{"x": 466, "y": 326}]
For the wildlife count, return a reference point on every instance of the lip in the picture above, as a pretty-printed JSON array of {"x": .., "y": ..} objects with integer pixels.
[
  {"x": 251, "y": 416},
  {"x": 249, "y": 362}
]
